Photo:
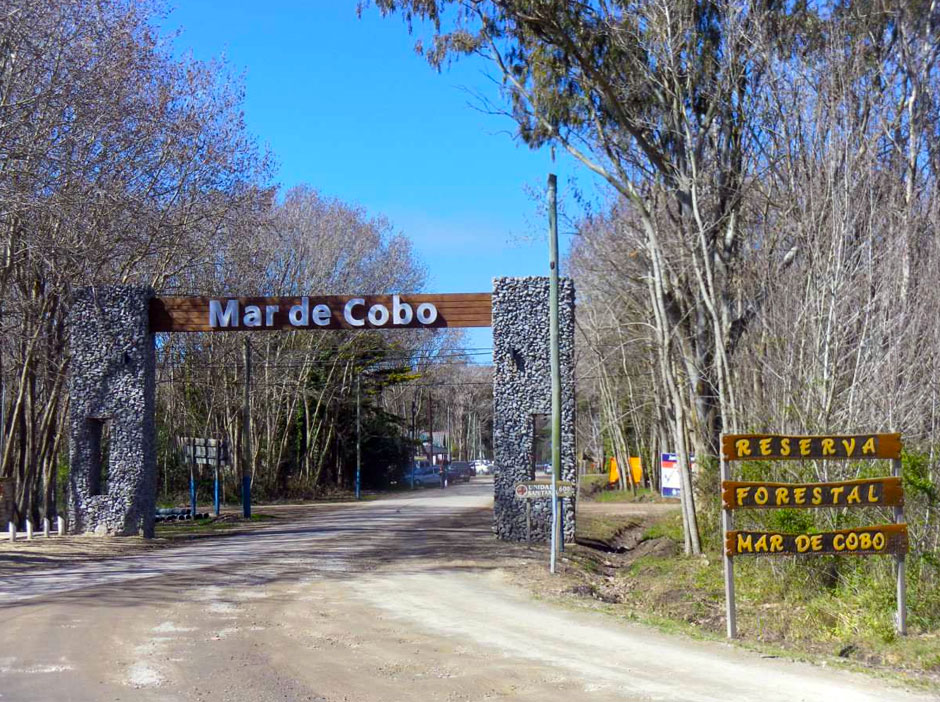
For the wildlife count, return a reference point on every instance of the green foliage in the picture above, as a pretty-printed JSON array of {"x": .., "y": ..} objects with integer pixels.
[{"x": 917, "y": 479}]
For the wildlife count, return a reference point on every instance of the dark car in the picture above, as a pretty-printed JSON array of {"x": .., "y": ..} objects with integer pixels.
[{"x": 461, "y": 470}]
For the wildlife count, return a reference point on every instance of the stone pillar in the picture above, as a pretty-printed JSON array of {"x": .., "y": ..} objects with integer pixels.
[
  {"x": 112, "y": 388},
  {"x": 522, "y": 387}
]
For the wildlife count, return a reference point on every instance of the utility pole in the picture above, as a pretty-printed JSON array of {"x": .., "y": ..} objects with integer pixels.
[
  {"x": 555, "y": 362},
  {"x": 358, "y": 431},
  {"x": 246, "y": 428}
]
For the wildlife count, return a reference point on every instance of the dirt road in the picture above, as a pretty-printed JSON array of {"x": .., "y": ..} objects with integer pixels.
[{"x": 401, "y": 599}]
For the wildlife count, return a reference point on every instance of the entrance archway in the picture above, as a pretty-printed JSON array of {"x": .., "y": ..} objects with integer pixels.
[{"x": 112, "y": 383}]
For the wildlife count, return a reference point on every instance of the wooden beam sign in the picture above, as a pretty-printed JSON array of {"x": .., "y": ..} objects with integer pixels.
[
  {"x": 777, "y": 447},
  {"x": 212, "y": 314},
  {"x": 863, "y": 541},
  {"x": 871, "y": 492}
]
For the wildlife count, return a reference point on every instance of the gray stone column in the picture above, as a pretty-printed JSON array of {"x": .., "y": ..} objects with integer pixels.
[
  {"x": 112, "y": 390},
  {"x": 522, "y": 387}
]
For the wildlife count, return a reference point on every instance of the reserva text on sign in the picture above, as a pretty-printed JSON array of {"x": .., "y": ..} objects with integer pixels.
[{"x": 753, "y": 447}]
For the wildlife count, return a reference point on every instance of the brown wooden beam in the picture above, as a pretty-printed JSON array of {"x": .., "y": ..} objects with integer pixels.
[
  {"x": 191, "y": 314},
  {"x": 778, "y": 447},
  {"x": 863, "y": 541},
  {"x": 869, "y": 492}
]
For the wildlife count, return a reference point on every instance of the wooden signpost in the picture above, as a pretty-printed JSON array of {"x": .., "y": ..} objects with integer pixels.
[{"x": 870, "y": 492}]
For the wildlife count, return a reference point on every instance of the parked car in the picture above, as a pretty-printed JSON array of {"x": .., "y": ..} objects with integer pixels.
[
  {"x": 483, "y": 467},
  {"x": 427, "y": 476},
  {"x": 461, "y": 470}
]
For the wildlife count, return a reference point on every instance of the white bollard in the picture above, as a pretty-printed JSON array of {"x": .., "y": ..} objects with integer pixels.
[
  {"x": 29, "y": 529},
  {"x": 60, "y": 525},
  {"x": 11, "y": 527},
  {"x": 45, "y": 527}
]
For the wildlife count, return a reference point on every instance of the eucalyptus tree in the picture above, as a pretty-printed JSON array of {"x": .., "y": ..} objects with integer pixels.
[
  {"x": 656, "y": 98},
  {"x": 682, "y": 107}
]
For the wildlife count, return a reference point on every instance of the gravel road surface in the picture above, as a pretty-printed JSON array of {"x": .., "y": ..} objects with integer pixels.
[{"x": 404, "y": 598}]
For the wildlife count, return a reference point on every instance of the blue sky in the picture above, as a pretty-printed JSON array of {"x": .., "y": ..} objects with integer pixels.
[{"x": 346, "y": 105}]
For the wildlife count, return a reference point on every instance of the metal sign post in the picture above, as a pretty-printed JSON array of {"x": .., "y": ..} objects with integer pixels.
[
  {"x": 901, "y": 616},
  {"x": 192, "y": 478},
  {"x": 358, "y": 432},
  {"x": 555, "y": 355},
  {"x": 246, "y": 439},
  {"x": 727, "y": 524}
]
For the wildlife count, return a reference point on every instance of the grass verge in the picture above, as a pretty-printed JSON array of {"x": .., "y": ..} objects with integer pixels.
[{"x": 811, "y": 609}]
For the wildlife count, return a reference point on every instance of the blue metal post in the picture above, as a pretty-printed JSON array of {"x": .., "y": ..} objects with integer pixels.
[
  {"x": 192, "y": 495},
  {"x": 192, "y": 480},
  {"x": 358, "y": 434},
  {"x": 246, "y": 428},
  {"x": 217, "y": 505}
]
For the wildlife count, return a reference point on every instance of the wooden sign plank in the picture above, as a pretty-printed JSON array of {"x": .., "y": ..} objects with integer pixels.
[
  {"x": 862, "y": 541},
  {"x": 869, "y": 492},
  {"x": 192, "y": 314},
  {"x": 779, "y": 447}
]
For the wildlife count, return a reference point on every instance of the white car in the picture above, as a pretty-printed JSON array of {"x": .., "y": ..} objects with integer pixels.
[{"x": 482, "y": 467}]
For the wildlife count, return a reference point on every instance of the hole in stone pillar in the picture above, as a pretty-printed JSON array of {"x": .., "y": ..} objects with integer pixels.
[
  {"x": 541, "y": 445},
  {"x": 99, "y": 445},
  {"x": 518, "y": 359}
]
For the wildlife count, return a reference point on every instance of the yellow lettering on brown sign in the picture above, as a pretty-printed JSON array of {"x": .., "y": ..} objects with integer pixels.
[
  {"x": 741, "y": 494},
  {"x": 802, "y": 543},
  {"x": 761, "y": 544},
  {"x": 817, "y": 495},
  {"x": 743, "y": 447},
  {"x": 835, "y": 492},
  {"x": 849, "y": 445},
  {"x": 761, "y": 495},
  {"x": 864, "y": 541},
  {"x": 781, "y": 496},
  {"x": 799, "y": 496},
  {"x": 784, "y": 447},
  {"x": 816, "y": 541},
  {"x": 851, "y": 541},
  {"x": 745, "y": 543},
  {"x": 878, "y": 541},
  {"x": 872, "y": 494},
  {"x": 828, "y": 447},
  {"x": 776, "y": 543},
  {"x": 806, "y": 447},
  {"x": 838, "y": 542},
  {"x": 853, "y": 498},
  {"x": 869, "y": 445},
  {"x": 765, "y": 447}
]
